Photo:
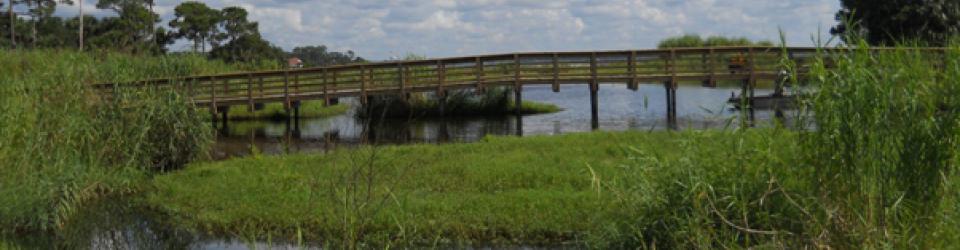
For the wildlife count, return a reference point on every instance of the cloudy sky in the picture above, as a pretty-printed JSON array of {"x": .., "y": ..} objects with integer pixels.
[{"x": 380, "y": 29}]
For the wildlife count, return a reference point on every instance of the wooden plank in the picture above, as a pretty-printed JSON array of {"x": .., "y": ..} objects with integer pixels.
[
  {"x": 213, "y": 95},
  {"x": 250, "y": 105},
  {"x": 326, "y": 95},
  {"x": 632, "y": 64},
  {"x": 260, "y": 83},
  {"x": 594, "y": 83},
  {"x": 673, "y": 67},
  {"x": 296, "y": 86},
  {"x": 441, "y": 78},
  {"x": 286, "y": 90},
  {"x": 556, "y": 72},
  {"x": 402, "y": 79},
  {"x": 516, "y": 71},
  {"x": 712, "y": 65},
  {"x": 478, "y": 71},
  {"x": 363, "y": 85}
]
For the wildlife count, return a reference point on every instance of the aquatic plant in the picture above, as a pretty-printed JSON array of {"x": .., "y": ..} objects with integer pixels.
[{"x": 65, "y": 144}]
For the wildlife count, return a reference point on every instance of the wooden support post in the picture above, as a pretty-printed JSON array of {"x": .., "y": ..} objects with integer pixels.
[
  {"x": 250, "y": 92},
  {"x": 441, "y": 78},
  {"x": 402, "y": 80},
  {"x": 442, "y": 101},
  {"x": 632, "y": 70},
  {"x": 753, "y": 67},
  {"x": 594, "y": 88},
  {"x": 286, "y": 90},
  {"x": 712, "y": 81},
  {"x": 213, "y": 95},
  {"x": 226, "y": 88},
  {"x": 478, "y": 71},
  {"x": 190, "y": 91},
  {"x": 260, "y": 86},
  {"x": 363, "y": 85},
  {"x": 671, "y": 89},
  {"x": 333, "y": 88},
  {"x": 517, "y": 87},
  {"x": 296, "y": 86},
  {"x": 326, "y": 95},
  {"x": 556, "y": 72},
  {"x": 296, "y": 111},
  {"x": 223, "y": 115},
  {"x": 673, "y": 66}
]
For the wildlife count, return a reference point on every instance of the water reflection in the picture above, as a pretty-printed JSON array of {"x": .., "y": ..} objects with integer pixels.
[
  {"x": 619, "y": 109},
  {"x": 116, "y": 224}
]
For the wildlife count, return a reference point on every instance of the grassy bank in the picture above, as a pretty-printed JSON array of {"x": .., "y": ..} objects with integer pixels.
[
  {"x": 878, "y": 169},
  {"x": 63, "y": 145},
  {"x": 275, "y": 111},
  {"x": 603, "y": 189}
]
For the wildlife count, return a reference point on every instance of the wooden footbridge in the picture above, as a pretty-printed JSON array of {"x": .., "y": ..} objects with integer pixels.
[{"x": 707, "y": 66}]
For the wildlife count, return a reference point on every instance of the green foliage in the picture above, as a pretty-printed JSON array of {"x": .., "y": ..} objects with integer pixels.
[
  {"x": 316, "y": 56},
  {"x": 885, "y": 145},
  {"x": 620, "y": 190},
  {"x": 64, "y": 145},
  {"x": 693, "y": 41},
  {"x": 195, "y": 21},
  {"x": 896, "y": 21},
  {"x": 275, "y": 111},
  {"x": 247, "y": 48}
]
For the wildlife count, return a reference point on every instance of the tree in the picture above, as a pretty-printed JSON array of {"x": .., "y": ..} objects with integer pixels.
[
  {"x": 314, "y": 56},
  {"x": 195, "y": 21},
  {"x": 133, "y": 28},
  {"x": 693, "y": 40},
  {"x": 243, "y": 40},
  {"x": 891, "y": 21},
  {"x": 247, "y": 48},
  {"x": 235, "y": 24},
  {"x": 41, "y": 10}
]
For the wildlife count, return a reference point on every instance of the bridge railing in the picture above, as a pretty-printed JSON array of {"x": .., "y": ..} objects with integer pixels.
[{"x": 706, "y": 65}]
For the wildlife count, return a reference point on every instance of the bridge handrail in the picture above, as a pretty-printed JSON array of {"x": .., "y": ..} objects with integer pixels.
[{"x": 752, "y": 63}]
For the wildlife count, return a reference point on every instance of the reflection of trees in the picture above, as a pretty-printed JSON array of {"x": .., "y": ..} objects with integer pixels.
[{"x": 112, "y": 224}]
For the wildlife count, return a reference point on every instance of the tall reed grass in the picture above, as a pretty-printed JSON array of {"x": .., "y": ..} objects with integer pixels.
[
  {"x": 63, "y": 144},
  {"x": 884, "y": 148},
  {"x": 875, "y": 167}
]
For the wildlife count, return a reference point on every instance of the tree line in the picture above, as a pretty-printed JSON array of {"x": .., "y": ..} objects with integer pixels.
[{"x": 226, "y": 34}]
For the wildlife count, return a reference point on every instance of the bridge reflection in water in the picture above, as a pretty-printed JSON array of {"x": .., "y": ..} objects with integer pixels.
[{"x": 699, "y": 108}]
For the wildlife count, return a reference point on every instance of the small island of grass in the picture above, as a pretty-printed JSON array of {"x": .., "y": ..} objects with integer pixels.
[{"x": 276, "y": 111}]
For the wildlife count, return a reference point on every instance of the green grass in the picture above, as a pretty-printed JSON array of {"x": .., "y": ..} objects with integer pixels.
[
  {"x": 276, "y": 111},
  {"x": 600, "y": 189},
  {"x": 63, "y": 145},
  {"x": 532, "y": 107},
  {"x": 878, "y": 169}
]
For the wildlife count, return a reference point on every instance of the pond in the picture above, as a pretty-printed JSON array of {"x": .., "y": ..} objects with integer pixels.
[{"x": 620, "y": 109}]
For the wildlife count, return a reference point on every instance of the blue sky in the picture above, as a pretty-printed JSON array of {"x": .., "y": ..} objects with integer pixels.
[{"x": 380, "y": 29}]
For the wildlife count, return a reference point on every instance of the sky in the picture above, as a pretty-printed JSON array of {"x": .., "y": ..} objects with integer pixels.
[{"x": 384, "y": 29}]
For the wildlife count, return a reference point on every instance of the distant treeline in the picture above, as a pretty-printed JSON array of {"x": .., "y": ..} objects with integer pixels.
[
  {"x": 224, "y": 34},
  {"x": 693, "y": 40}
]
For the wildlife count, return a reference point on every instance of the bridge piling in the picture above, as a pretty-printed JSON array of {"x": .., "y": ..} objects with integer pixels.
[
  {"x": 671, "y": 90},
  {"x": 594, "y": 108},
  {"x": 517, "y": 86},
  {"x": 594, "y": 88}
]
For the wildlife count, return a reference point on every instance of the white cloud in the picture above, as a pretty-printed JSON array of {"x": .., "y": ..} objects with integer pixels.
[{"x": 379, "y": 29}]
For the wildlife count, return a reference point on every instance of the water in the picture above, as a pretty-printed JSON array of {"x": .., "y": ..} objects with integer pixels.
[
  {"x": 620, "y": 109},
  {"x": 117, "y": 224}
]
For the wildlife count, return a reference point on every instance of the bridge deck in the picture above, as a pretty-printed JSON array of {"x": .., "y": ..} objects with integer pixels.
[{"x": 708, "y": 65}]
